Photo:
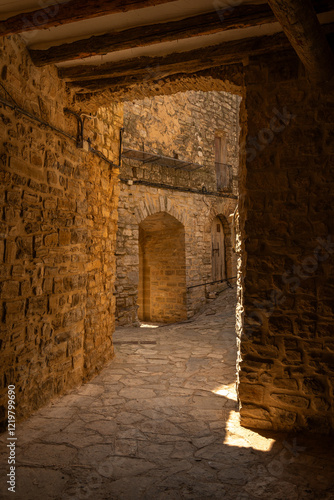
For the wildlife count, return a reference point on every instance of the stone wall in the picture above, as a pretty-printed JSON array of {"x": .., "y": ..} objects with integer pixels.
[
  {"x": 57, "y": 236},
  {"x": 58, "y": 225},
  {"x": 287, "y": 223},
  {"x": 195, "y": 212},
  {"x": 185, "y": 124}
]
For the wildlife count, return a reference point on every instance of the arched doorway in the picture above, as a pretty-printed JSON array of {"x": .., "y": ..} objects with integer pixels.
[
  {"x": 218, "y": 250},
  {"x": 162, "y": 269}
]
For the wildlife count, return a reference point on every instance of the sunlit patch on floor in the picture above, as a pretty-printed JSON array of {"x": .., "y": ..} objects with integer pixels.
[
  {"x": 144, "y": 325},
  {"x": 246, "y": 438},
  {"x": 228, "y": 391}
]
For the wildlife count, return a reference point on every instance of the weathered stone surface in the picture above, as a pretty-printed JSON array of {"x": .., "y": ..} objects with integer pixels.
[
  {"x": 285, "y": 301},
  {"x": 286, "y": 215},
  {"x": 57, "y": 238},
  {"x": 182, "y": 125}
]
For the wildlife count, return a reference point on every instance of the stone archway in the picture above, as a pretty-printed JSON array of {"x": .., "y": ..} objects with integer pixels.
[{"x": 162, "y": 269}]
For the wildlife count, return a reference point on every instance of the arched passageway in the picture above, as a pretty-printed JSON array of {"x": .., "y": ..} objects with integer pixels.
[{"x": 162, "y": 269}]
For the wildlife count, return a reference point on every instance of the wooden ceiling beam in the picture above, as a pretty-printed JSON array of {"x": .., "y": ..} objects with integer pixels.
[
  {"x": 70, "y": 12},
  {"x": 301, "y": 26},
  {"x": 127, "y": 72},
  {"x": 155, "y": 68},
  {"x": 243, "y": 16}
]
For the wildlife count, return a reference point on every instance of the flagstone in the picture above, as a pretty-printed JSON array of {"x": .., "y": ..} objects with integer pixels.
[{"x": 162, "y": 422}]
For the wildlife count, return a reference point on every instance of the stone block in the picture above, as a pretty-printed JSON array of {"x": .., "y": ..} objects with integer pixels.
[
  {"x": 292, "y": 357},
  {"x": 51, "y": 240},
  {"x": 52, "y": 177},
  {"x": 37, "y": 305},
  {"x": 253, "y": 411},
  {"x": 10, "y": 289},
  {"x": 64, "y": 237},
  {"x": 10, "y": 251},
  {"x": 251, "y": 393},
  {"x": 283, "y": 419},
  {"x": 73, "y": 316},
  {"x": 314, "y": 386},
  {"x": 290, "y": 400},
  {"x": 286, "y": 383},
  {"x": 24, "y": 247}
]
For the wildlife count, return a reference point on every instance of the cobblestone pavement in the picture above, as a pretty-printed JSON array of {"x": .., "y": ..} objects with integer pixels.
[{"x": 161, "y": 422}]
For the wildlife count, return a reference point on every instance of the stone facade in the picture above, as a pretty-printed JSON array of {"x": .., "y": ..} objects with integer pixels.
[
  {"x": 57, "y": 236},
  {"x": 183, "y": 125},
  {"x": 286, "y": 322}
]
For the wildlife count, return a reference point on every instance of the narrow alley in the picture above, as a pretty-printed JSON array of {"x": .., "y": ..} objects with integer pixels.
[{"x": 161, "y": 422}]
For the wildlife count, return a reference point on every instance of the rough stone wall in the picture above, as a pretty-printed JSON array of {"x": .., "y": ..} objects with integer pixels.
[
  {"x": 195, "y": 211},
  {"x": 184, "y": 124},
  {"x": 57, "y": 237},
  {"x": 287, "y": 222}
]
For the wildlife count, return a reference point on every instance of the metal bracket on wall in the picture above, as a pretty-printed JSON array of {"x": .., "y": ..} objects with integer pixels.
[
  {"x": 80, "y": 127},
  {"x": 86, "y": 144}
]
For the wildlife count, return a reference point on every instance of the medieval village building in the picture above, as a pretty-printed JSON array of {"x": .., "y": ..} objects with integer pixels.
[{"x": 150, "y": 146}]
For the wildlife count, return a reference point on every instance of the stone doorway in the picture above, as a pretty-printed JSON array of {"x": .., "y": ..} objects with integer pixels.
[{"x": 162, "y": 269}]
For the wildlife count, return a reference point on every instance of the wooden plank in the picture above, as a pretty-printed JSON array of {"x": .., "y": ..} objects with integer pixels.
[
  {"x": 69, "y": 12},
  {"x": 300, "y": 24},
  {"x": 243, "y": 16}
]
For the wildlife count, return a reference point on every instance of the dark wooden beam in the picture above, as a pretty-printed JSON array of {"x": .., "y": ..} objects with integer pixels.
[
  {"x": 243, "y": 16},
  {"x": 125, "y": 73},
  {"x": 70, "y": 12},
  {"x": 300, "y": 24}
]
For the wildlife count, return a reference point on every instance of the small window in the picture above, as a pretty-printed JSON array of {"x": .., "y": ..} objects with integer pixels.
[{"x": 218, "y": 228}]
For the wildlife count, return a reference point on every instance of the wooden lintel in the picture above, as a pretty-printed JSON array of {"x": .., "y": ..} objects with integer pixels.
[
  {"x": 300, "y": 24},
  {"x": 243, "y": 16},
  {"x": 70, "y": 12}
]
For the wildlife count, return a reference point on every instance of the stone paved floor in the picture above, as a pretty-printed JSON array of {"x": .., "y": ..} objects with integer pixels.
[{"x": 161, "y": 422}]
